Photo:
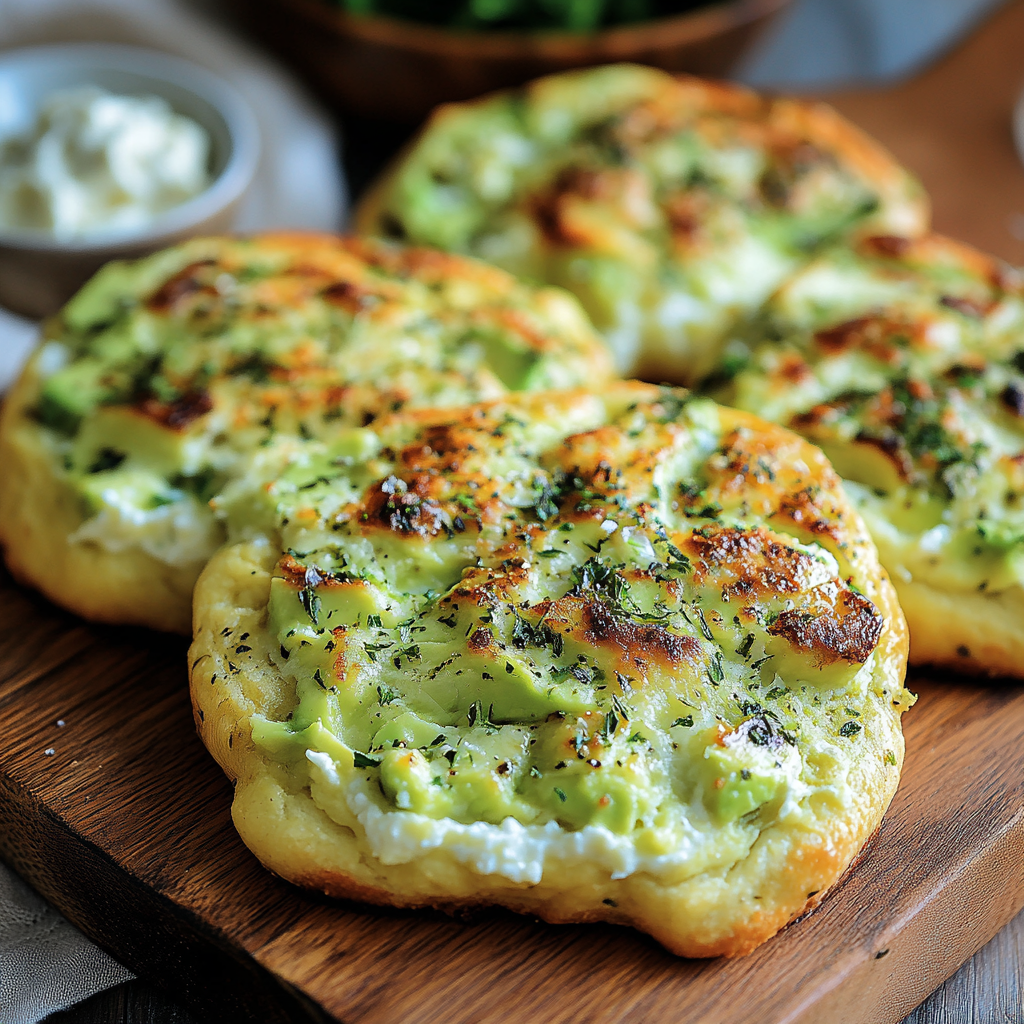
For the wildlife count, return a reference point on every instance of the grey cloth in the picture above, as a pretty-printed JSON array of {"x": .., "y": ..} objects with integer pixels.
[
  {"x": 46, "y": 964},
  {"x": 824, "y": 44}
]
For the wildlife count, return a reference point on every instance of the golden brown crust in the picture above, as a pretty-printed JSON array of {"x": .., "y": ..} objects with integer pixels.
[
  {"x": 38, "y": 514},
  {"x": 969, "y": 632},
  {"x": 293, "y": 838}
]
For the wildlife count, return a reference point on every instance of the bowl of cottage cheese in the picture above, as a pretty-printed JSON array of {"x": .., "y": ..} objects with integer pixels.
[{"x": 110, "y": 152}]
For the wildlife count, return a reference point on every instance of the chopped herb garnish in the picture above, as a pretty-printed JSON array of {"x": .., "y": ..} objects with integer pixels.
[{"x": 704, "y": 627}]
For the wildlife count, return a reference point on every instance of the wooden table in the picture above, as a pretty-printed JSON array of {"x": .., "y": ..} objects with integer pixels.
[{"x": 951, "y": 125}]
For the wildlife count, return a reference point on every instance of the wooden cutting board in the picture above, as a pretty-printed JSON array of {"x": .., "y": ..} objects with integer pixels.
[{"x": 120, "y": 818}]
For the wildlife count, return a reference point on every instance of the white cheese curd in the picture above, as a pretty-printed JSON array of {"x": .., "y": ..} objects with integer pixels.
[
  {"x": 524, "y": 853},
  {"x": 181, "y": 533},
  {"x": 98, "y": 162}
]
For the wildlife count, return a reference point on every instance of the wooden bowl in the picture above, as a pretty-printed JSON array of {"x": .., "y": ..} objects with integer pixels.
[{"x": 400, "y": 70}]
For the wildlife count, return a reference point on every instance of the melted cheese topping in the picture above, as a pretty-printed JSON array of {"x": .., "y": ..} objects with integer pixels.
[{"x": 628, "y": 630}]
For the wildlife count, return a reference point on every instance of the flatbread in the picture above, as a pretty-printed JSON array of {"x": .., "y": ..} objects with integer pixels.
[
  {"x": 904, "y": 360},
  {"x": 625, "y": 657},
  {"x": 162, "y": 377},
  {"x": 671, "y": 206}
]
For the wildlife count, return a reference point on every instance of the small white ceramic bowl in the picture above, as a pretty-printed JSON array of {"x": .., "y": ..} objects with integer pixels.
[{"x": 38, "y": 273}]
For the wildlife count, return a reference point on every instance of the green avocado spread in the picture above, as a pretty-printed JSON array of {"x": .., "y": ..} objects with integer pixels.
[{"x": 565, "y": 609}]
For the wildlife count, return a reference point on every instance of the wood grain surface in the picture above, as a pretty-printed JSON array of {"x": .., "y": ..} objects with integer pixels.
[
  {"x": 121, "y": 820},
  {"x": 951, "y": 125},
  {"x": 986, "y": 990}
]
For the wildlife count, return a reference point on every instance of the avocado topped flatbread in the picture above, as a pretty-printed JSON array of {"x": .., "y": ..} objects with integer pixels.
[
  {"x": 626, "y": 656},
  {"x": 672, "y": 207},
  {"x": 904, "y": 360},
  {"x": 161, "y": 377}
]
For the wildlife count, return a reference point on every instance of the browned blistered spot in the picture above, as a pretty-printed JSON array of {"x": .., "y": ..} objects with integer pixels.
[
  {"x": 968, "y": 307},
  {"x": 835, "y": 340},
  {"x": 480, "y": 639},
  {"x": 413, "y": 510},
  {"x": 746, "y": 563},
  {"x": 489, "y": 587},
  {"x": 793, "y": 369},
  {"x": 817, "y": 416},
  {"x": 177, "y": 415},
  {"x": 607, "y": 460},
  {"x": 875, "y": 335},
  {"x": 891, "y": 445},
  {"x": 183, "y": 284},
  {"x": 634, "y": 645},
  {"x": 791, "y": 159},
  {"x": 806, "y": 510},
  {"x": 760, "y": 468},
  {"x": 620, "y": 189},
  {"x": 920, "y": 390},
  {"x": 292, "y": 570},
  {"x": 547, "y": 210},
  {"x": 893, "y": 246},
  {"x": 643, "y": 641},
  {"x": 349, "y": 296},
  {"x": 443, "y": 445},
  {"x": 846, "y": 627},
  {"x": 686, "y": 213}
]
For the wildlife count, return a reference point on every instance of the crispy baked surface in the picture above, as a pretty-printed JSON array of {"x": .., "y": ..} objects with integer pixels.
[
  {"x": 904, "y": 360},
  {"x": 671, "y": 206},
  {"x": 624, "y": 657},
  {"x": 162, "y": 376}
]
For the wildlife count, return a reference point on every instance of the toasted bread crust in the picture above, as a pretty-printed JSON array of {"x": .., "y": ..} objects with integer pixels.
[{"x": 38, "y": 514}]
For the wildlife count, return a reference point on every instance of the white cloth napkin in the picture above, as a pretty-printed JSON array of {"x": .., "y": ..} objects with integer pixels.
[{"x": 45, "y": 963}]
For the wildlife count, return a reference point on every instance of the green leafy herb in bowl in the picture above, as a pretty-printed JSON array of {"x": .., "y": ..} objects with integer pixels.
[{"x": 570, "y": 15}]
